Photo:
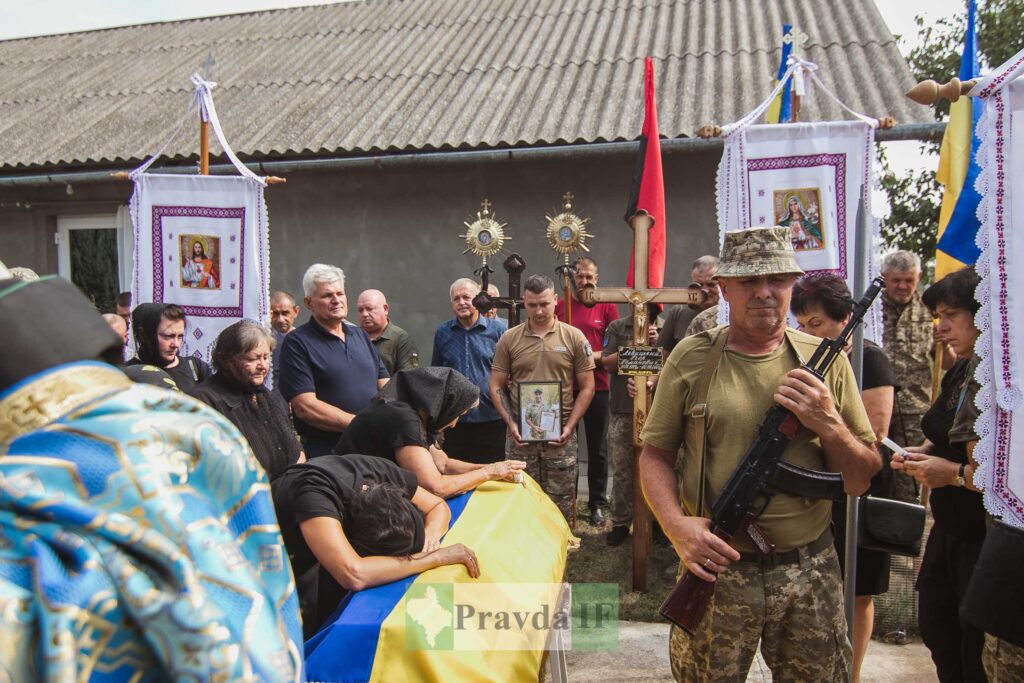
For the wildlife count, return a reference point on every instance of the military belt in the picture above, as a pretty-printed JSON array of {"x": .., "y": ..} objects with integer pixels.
[{"x": 772, "y": 560}]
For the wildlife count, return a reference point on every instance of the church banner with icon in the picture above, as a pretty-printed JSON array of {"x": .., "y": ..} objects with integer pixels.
[
  {"x": 810, "y": 178},
  {"x": 201, "y": 242}
]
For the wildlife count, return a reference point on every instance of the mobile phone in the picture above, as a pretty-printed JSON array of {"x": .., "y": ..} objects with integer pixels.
[{"x": 895, "y": 447}]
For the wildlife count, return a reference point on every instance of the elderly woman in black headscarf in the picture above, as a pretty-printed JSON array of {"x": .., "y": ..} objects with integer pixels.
[
  {"x": 241, "y": 361},
  {"x": 159, "y": 330},
  {"x": 405, "y": 423}
]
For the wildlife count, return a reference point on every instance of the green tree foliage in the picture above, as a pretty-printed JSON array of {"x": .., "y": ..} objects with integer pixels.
[{"x": 914, "y": 197}]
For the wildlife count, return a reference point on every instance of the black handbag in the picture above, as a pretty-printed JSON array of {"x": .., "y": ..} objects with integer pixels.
[{"x": 890, "y": 526}]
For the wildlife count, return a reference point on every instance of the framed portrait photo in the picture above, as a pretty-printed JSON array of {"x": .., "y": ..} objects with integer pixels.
[{"x": 540, "y": 411}]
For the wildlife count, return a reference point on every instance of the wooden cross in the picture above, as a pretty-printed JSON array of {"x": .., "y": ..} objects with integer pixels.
[
  {"x": 638, "y": 298},
  {"x": 514, "y": 265}
]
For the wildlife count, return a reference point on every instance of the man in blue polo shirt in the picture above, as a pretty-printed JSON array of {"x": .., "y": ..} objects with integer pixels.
[
  {"x": 466, "y": 343},
  {"x": 329, "y": 368}
]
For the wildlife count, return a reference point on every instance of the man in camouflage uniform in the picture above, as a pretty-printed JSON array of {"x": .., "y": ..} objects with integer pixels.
[
  {"x": 544, "y": 349},
  {"x": 714, "y": 390},
  {"x": 620, "y": 423},
  {"x": 907, "y": 339},
  {"x": 533, "y": 413}
]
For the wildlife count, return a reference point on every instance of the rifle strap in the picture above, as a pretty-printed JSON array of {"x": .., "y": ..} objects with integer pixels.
[{"x": 699, "y": 411}]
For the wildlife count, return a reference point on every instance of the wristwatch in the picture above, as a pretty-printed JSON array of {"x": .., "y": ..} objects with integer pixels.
[{"x": 959, "y": 481}]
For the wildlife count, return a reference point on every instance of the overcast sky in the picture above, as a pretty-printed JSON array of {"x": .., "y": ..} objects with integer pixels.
[{"x": 20, "y": 18}]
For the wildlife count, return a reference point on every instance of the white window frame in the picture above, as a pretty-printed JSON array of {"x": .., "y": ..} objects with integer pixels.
[{"x": 65, "y": 224}]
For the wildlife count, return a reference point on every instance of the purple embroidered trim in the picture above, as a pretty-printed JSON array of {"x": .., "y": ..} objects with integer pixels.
[
  {"x": 1000, "y": 460},
  {"x": 808, "y": 161},
  {"x": 159, "y": 212},
  {"x": 998, "y": 80}
]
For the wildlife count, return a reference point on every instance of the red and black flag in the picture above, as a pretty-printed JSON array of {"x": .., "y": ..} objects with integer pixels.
[{"x": 648, "y": 193}]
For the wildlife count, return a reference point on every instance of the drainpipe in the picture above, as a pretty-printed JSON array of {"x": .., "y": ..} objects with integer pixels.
[{"x": 916, "y": 131}]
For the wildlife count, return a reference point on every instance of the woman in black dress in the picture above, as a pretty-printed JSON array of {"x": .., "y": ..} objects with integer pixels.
[
  {"x": 943, "y": 464},
  {"x": 353, "y": 522},
  {"x": 405, "y": 423},
  {"x": 822, "y": 304},
  {"x": 241, "y": 360}
]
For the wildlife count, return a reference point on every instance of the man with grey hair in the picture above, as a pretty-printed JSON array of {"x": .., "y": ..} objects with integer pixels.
[
  {"x": 329, "y": 367},
  {"x": 702, "y": 274},
  {"x": 394, "y": 345},
  {"x": 544, "y": 349},
  {"x": 907, "y": 338},
  {"x": 466, "y": 343}
]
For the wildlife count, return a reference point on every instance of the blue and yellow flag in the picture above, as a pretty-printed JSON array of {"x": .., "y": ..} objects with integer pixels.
[
  {"x": 779, "y": 111},
  {"x": 958, "y": 170}
]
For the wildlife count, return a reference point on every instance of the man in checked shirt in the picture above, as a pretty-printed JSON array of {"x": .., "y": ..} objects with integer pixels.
[{"x": 466, "y": 343}]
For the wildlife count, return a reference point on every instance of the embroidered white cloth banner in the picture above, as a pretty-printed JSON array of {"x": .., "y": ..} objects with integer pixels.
[
  {"x": 1000, "y": 425},
  {"x": 201, "y": 242},
  {"x": 809, "y": 178}
]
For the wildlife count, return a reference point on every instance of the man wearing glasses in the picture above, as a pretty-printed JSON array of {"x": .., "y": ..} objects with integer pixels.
[{"x": 702, "y": 273}]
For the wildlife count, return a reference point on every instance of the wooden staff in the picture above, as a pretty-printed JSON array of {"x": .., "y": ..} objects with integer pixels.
[{"x": 638, "y": 297}]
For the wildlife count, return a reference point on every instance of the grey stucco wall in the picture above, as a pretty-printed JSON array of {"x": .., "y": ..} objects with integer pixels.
[{"x": 396, "y": 228}]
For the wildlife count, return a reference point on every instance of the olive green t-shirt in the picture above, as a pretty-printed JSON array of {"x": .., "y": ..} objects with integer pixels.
[{"x": 741, "y": 391}]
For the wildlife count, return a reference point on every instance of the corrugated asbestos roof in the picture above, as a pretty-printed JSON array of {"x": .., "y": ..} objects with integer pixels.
[{"x": 386, "y": 75}]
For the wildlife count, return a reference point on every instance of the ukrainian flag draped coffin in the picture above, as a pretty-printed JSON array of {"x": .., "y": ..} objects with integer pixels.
[{"x": 380, "y": 634}]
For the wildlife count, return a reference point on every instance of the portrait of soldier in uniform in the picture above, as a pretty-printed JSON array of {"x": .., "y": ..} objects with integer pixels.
[{"x": 539, "y": 413}]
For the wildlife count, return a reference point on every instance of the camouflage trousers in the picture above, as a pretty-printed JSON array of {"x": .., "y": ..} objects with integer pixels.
[
  {"x": 620, "y": 453},
  {"x": 554, "y": 467},
  {"x": 796, "y": 610},
  {"x": 1004, "y": 662}
]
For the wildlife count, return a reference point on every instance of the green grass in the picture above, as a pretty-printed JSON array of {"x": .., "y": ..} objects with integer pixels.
[{"x": 597, "y": 562}]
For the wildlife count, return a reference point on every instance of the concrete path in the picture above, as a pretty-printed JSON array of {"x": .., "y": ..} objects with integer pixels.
[{"x": 643, "y": 656}]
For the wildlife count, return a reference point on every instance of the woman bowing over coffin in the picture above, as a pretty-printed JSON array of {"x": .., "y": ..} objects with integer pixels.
[
  {"x": 354, "y": 522},
  {"x": 405, "y": 423}
]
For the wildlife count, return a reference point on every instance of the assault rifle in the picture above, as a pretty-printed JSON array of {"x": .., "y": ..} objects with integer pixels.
[{"x": 761, "y": 471}]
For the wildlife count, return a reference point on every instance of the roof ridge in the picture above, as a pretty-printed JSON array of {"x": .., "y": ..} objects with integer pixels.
[{"x": 368, "y": 78}]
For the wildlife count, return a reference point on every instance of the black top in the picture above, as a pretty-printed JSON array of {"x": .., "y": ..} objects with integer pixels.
[
  {"x": 325, "y": 487},
  {"x": 187, "y": 374},
  {"x": 261, "y": 416},
  {"x": 958, "y": 511},
  {"x": 341, "y": 373},
  {"x": 878, "y": 372},
  {"x": 383, "y": 428}
]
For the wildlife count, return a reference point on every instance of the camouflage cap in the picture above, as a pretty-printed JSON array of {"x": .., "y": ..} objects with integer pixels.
[{"x": 758, "y": 251}]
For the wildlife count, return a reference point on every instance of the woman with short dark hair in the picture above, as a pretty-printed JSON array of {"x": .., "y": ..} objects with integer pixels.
[
  {"x": 241, "y": 361},
  {"x": 353, "y": 522},
  {"x": 823, "y": 305},
  {"x": 943, "y": 463}
]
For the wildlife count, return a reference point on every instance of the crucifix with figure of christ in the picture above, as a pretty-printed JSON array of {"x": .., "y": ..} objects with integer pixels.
[{"x": 643, "y": 363}]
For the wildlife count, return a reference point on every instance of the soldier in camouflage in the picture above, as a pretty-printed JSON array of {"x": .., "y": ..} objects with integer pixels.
[
  {"x": 907, "y": 339},
  {"x": 703, "y": 321},
  {"x": 544, "y": 349},
  {"x": 533, "y": 413},
  {"x": 713, "y": 391}
]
